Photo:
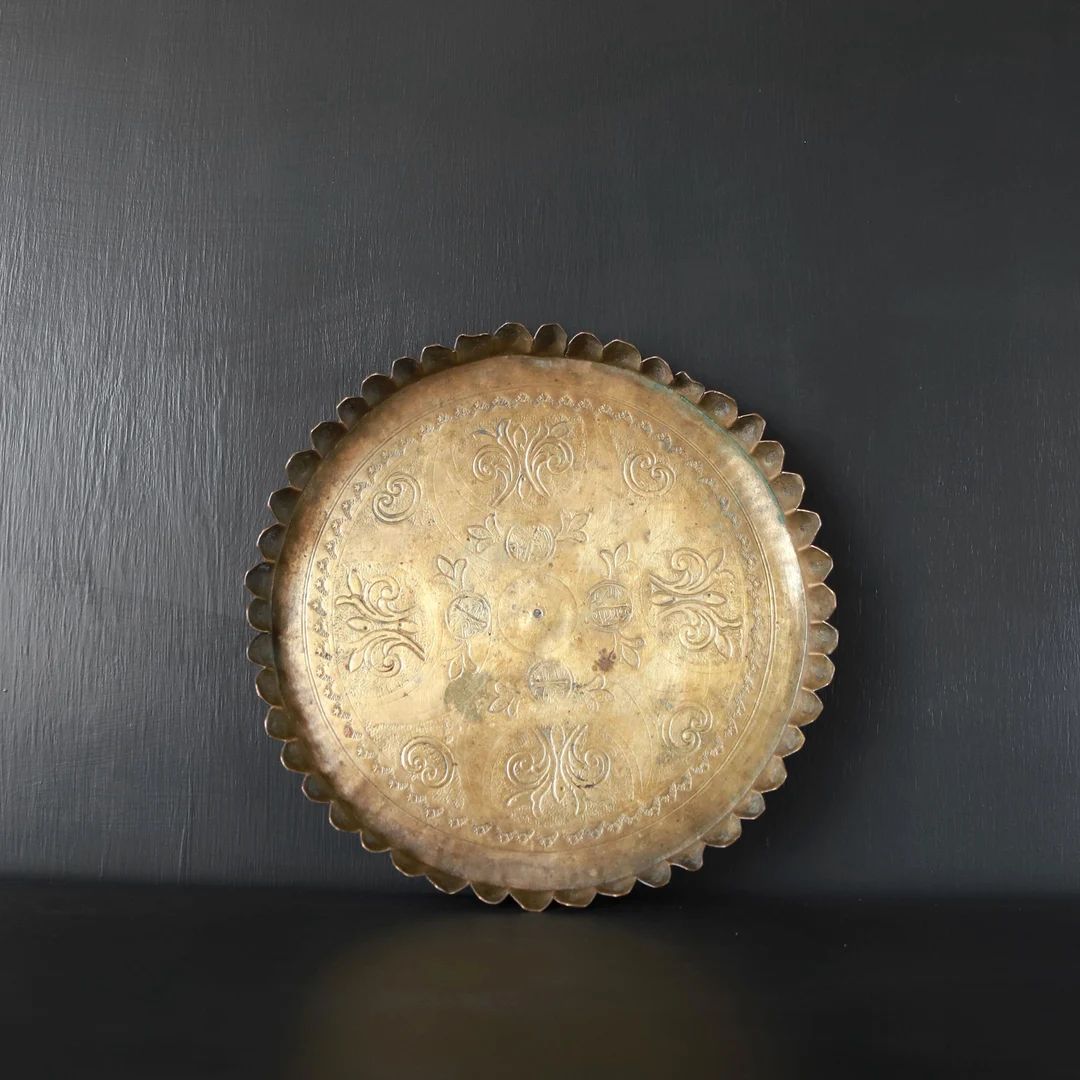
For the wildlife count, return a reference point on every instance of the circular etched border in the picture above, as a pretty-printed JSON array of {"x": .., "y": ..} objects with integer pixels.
[
  {"x": 326, "y": 550},
  {"x": 550, "y": 340}
]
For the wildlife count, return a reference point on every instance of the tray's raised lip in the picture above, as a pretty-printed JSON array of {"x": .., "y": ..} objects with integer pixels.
[{"x": 550, "y": 340}]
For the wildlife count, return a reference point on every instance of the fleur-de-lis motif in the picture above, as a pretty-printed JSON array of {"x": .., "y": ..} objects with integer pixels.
[
  {"x": 380, "y": 618},
  {"x": 560, "y": 771},
  {"x": 699, "y": 599},
  {"x": 518, "y": 459}
]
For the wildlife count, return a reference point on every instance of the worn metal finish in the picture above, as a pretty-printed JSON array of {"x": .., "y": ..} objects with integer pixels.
[{"x": 541, "y": 617}]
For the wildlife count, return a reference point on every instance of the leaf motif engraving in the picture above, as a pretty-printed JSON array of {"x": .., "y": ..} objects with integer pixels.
[
  {"x": 467, "y": 614},
  {"x": 572, "y": 525},
  {"x": 481, "y": 537},
  {"x": 529, "y": 542},
  {"x": 611, "y": 607}
]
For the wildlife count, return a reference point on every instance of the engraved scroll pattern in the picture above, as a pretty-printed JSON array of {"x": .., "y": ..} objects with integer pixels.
[
  {"x": 377, "y": 613},
  {"x": 646, "y": 474},
  {"x": 699, "y": 600},
  {"x": 429, "y": 761},
  {"x": 655, "y": 584},
  {"x": 396, "y": 499},
  {"x": 683, "y": 729}
]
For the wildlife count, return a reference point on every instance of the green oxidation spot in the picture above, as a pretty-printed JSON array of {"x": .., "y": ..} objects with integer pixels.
[{"x": 465, "y": 695}]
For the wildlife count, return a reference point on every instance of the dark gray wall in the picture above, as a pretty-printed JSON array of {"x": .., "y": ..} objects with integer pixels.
[{"x": 860, "y": 219}]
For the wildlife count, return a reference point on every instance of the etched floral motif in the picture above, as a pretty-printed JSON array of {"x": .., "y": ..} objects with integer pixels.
[
  {"x": 611, "y": 607},
  {"x": 396, "y": 499},
  {"x": 699, "y": 601},
  {"x": 507, "y": 699},
  {"x": 683, "y": 729},
  {"x": 560, "y": 771},
  {"x": 533, "y": 542},
  {"x": 518, "y": 459},
  {"x": 428, "y": 761},
  {"x": 467, "y": 615},
  {"x": 378, "y": 614},
  {"x": 646, "y": 474}
]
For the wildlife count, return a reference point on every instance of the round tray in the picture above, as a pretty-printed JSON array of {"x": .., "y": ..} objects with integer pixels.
[{"x": 540, "y": 617}]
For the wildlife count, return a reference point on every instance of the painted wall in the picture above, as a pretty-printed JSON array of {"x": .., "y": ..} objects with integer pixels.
[{"x": 860, "y": 219}]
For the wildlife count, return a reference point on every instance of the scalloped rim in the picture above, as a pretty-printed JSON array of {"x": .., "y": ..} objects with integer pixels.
[{"x": 513, "y": 339}]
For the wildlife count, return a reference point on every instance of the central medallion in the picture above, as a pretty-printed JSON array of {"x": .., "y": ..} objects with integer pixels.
[{"x": 538, "y": 614}]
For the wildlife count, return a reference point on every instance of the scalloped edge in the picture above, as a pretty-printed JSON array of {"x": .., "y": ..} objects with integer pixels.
[{"x": 550, "y": 340}]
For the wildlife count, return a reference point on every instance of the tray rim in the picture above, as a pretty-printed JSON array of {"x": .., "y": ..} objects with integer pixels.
[{"x": 549, "y": 341}]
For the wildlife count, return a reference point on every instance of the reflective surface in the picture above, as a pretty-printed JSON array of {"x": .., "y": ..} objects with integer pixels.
[{"x": 148, "y": 983}]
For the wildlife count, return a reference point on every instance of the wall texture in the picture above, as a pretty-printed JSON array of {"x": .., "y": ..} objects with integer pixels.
[{"x": 860, "y": 219}]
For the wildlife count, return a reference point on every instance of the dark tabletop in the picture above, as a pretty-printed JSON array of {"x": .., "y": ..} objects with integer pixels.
[{"x": 164, "y": 982}]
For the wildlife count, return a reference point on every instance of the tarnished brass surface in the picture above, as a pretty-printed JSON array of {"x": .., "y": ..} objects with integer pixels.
[{"x": 541, "y": 618}]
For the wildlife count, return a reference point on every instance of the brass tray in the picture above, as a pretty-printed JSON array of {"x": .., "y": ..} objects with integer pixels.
[{"x": 540, "y": 618}]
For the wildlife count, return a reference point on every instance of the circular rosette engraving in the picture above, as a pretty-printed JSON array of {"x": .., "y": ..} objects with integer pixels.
[
  {"x": 610, "y": 605},
  {"x": 611, "y": 608},
  {"x": 530, "y": 543},
  {"x": 468, "y": 615},
  {"x": 550, "y": 688},
  {"x": 549, "y": 679}
]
